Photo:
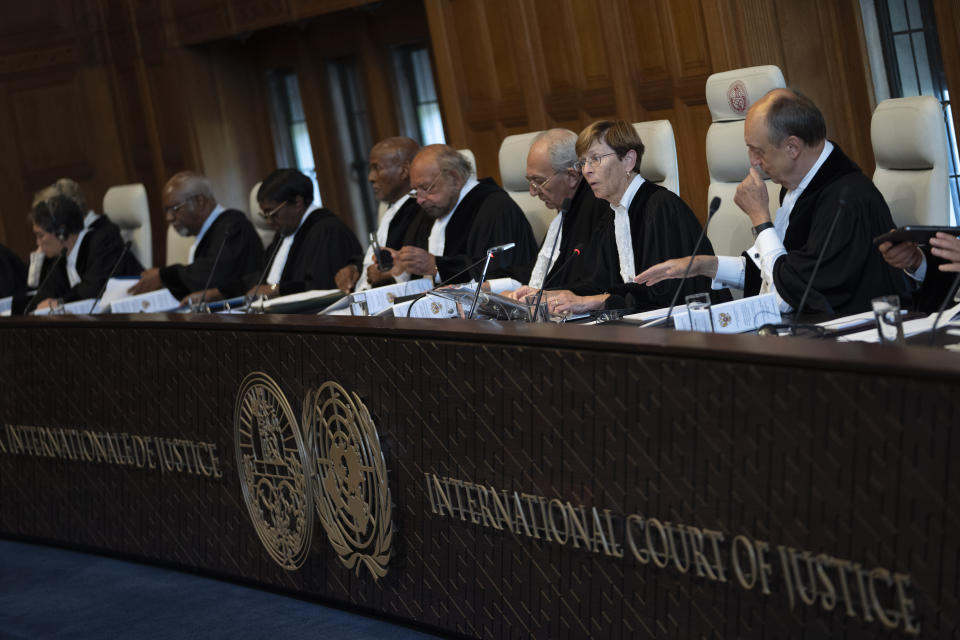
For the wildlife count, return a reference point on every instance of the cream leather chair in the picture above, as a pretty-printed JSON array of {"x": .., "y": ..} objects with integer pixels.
[
  {"x": 259, "y": 223},
  {"x": 513, "y": 172},
  {"x": 126, "y": 205},
  {"x": 659, "y": 162},
  {"x": 178, "y": 247},
  {"x": 729, "y": 96},
  {"x": 910, "y": 147}
]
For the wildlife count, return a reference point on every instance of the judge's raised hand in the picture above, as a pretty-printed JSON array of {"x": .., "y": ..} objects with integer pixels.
[
  {"x": 149, "y": 281},
  {"x": 902, "y": 255},
  {"x": 567, "y": 302},
  {"x": 945, "y": 246},
  {"x": 672, "y": 269},
  {"x": 346, "y": 277},
  {"x": 753, "y": 198},
  {"x": 416, "y": 261}
]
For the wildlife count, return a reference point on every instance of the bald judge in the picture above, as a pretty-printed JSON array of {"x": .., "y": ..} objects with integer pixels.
[
  {"x": 191, "y": 208},
  {"x": 461, "y": 218}
]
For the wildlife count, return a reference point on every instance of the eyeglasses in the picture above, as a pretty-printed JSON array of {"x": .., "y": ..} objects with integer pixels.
[
  {"x": 272, "y": 212},
  {"x": 428, "y": 189},
  {"x": 175, "y": 208},
  {"x": 538, "y": 186},
  {"x": 593, "y": 161}
]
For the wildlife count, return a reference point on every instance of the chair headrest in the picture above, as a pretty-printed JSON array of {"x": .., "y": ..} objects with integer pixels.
[
  {"x": 472, "y": 159},
  {"x": 730, "y": 93},
  {"x": 660, "y": 150},
  {"x": 908, "y": 133},
  {"x": 126, "y": 205},
  {"x": 727, "y": 157},
  {"x": 513, "y": 161}
]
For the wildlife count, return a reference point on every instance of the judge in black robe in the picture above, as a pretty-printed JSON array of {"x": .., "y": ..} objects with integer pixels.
[
  {"x": 13, "y": 274},
  {"x": 929, "y": 284},
  {"x": 662, "y": 226},
  {"x": 321, "y": 247},
  {"x": 396, "y": 233},
  {"x": 479, "y": 215}
]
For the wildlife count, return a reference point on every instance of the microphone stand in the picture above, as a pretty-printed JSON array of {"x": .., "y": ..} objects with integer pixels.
[
  {"x": 53, "y": 267},
  {"x": 216, "y": 263},
  {"x": 950, "y": 293},
  {"x": 444, "y": 283},
  {"x": 103, "y": 289},
  {"x": 563, "y": 210},
  {"x": 263, "y": 275},
  {"x": 483, "y": 276}
]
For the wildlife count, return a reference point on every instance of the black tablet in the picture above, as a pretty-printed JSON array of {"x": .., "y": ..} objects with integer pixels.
[{"x": 914, "y": 233}]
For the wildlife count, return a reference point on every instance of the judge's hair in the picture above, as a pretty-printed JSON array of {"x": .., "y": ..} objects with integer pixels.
[
  {"x": 57, "y": 214},
  {"x": 561, "y": 147},
  {"x": 790, "y": 113},
  {"x": 62, "y": 187},
  {"x": 618, "y": 134},
  {"x": 191, "y": 184},
  {"x": 449, "y": 159},
  {"x": 284, "y": 185}
]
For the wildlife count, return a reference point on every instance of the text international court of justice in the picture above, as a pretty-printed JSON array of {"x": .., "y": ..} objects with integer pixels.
[{"x": 487, "y": 318}]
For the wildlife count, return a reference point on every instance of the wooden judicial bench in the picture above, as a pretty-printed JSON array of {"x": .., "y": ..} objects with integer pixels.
[{"x": 508, "y": 480}]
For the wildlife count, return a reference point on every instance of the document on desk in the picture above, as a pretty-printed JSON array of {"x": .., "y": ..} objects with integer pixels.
[
  {"x": 910, "y": 327},
  {"x": 152, "y": 302},
  {"x": 736, "y": 316},
  {"x": 116, "y": 289},
  {"x": 6, "y": 306},
  {"x": 431, "y": 306},
  {"x": 379, "y": 298}
]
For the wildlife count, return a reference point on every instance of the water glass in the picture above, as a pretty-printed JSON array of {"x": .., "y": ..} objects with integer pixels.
[
  {"x": 698, "y": 309},
  {"x": 886, "y": 311}
]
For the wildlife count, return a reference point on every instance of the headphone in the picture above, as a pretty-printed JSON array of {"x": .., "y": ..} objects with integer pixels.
[{"x": 58, "y": 229}]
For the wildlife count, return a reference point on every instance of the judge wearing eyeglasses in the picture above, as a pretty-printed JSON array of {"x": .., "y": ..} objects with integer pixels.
[
  {"x": 311, "y": 244},
  {"x": 190, "y": 206},
  {"x": 644, "y": 225}
]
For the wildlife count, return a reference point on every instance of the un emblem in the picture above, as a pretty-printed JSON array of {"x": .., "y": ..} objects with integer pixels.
[
  {"x": 349, "y": 478},
  {"x": 271, "y": 460}
]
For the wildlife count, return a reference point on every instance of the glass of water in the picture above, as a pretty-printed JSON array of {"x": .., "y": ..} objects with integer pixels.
[
  {"x": 886, "y": 311},
  {"x": 358, "y": 304},
  {"x": 698, "y": 309}
]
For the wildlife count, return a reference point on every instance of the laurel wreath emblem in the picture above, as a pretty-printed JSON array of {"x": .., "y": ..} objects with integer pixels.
[{"x": 349, "y": 479}]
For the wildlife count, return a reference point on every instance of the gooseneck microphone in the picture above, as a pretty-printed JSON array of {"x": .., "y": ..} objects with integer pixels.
[
  {"x": 951, "y": 292},
  {"x": 714, "y": 205},
  {"x": 576, "y": 253},
  {"x": 103, "y": 289},
  {"x": 266, "y": 270},
  {"x": 492, "y": 251},
  {"x": 53, "y": 267},
  {"x": 418, "y": 296},
  {"x": 216, "y": 262}
]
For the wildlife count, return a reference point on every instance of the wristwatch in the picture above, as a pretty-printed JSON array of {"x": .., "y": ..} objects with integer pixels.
[{"x": 763, "y": 226}]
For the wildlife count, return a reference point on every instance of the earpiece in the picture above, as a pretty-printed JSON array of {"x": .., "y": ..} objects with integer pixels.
[{"x": 59, "y": 229}]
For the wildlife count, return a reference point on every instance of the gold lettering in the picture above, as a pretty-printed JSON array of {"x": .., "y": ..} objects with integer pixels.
[
  {"x": 640, "y": 554},
  {"x": 553, "y": 523},
  {"x": 673, "y": 546},
  {"x": 483, "y": 498},
  {"x": 744, "y": 542},
  {"x": 139, "y": 452},
  {"x": 97, "y": 446},
  {"x": 579, "y": 526},
  {"x": 3, "y": 446},
  {"x": 889, "y": 619},
  {"x": 433, "y": 505},
  {"x": 500, "y": 510},
  {"x": 456, "y": 487},
  {"x": 214, "y": 460},
  {"x": 543, "y": 518},
  {"x": 828, "y": 599},
  {"x": 902, "y": 581},
  {"x": 700, "y": 561},
  {"x": 716, "y": 537},
  {"x": 520, "y": 518},
  {"x": 443, "y": 498},
  {"x": 842, "y": 566},
  {"x": 598, "y": 535},
  {"x": 763, "y": 564},
  {"x": 660, "y": 560},
  {"x": 150, "y": 445},
  {"x": 530, "y": 499},
  {"x": 862, "y": 588},
  {"x": 471, "y": 502},
  {"x": 616, "y": 550}
]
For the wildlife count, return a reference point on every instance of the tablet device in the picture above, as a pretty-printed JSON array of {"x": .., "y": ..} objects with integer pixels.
[
  {"x": 384, "y": 258},
  {"x": 915, "y": 233}
]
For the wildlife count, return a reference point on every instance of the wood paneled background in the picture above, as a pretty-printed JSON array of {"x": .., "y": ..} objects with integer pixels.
[{"x": 117, "y": 91}]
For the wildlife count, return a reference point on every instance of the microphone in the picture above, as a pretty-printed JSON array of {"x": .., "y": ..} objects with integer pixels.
[
  {"x": 492, "y": 251},
  {"x": 263, "y": 275},
  {"x": 946, "y": 300},
  {"x": 772, "y": 329},
  {"x": 714, "y": 205},
  {"x": 53, "y": 268},
  {"x": 417, "y": 296},
  {"x": 216, "y": 262},
  {"x": 576, "y": 253},
  {"x": 103, "y": 289}
]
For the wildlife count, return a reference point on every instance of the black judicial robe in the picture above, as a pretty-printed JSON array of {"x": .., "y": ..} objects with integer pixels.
[
  {"x": 662, "y": 227},
  {"x": 322, "y": 246},
  {"x": 99, "y": 251},
  {"x": 585, "y": 216},
  {"x": 486, "y": 217},
  {"x": 935, "y": 286},
  {"x": 396, "y": 231},
  {"x": 13, "y": 274},
  {"x": 242, "y": 254},
  {"x": 852, "y": 271}
]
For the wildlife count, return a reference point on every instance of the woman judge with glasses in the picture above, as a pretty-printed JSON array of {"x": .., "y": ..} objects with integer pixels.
[{"x": 646, "y": 224}]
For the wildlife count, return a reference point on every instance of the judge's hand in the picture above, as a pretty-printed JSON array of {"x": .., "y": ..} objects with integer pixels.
[
  {"x": 902, "y": 255},
  {"x": 416, "y": 261},
  {"x": 945, "y": 246},
  {"x": 753, "y": 198},
  {"x": 376, "y": 277},
  {"x": 521, "y": 294},
  {"x": 149, "y": 281},
  {"x": 208, "y": 295},
  {"x": 47, "y": 303},
  {"x": 263, "y": 291},
  {"x": 347, "y": 277},
  {"x": 671, "y": 269},
  {"x": 567, "y": 302}
]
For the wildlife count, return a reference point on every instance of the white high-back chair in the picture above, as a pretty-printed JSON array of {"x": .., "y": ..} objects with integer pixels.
[
  {"x": 910, "y": 147},
  {"x": 513, "y": 175},
  {"x": 659, "y": 162},
  {"x": 178, "y": 247},
  {"x": 259, "y": 222},
  {"x": 729, "y": 95},
  {"x": 126, "y": 205}
]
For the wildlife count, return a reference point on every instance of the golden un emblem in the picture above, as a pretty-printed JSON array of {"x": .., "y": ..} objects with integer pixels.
[
  {"x": 349, "y": 478},
  {"x": 271, "y": 458}
]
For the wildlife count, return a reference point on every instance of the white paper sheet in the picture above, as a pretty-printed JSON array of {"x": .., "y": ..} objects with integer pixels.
[
  {"x": 151, "y": 302},
  {"x": 910, "y": 327},
  {"x": 379, "y": 298},
  {"x": 736, "y": 316},
  {"x": 6, "y": 306}
]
